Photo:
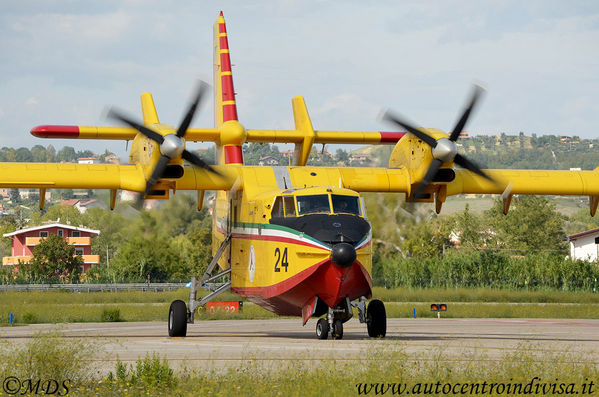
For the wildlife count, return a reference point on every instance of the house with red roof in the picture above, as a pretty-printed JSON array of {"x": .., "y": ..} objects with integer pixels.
[{"x": 25, "y": 240}]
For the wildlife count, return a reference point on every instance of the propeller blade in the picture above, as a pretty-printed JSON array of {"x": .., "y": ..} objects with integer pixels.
[
  {"x": 157, "y": 173},
  {"x": 467, "y": 164},
  {"x": 457, "y": 130},
  {"x": 198, "y": 162},
  {"x": 192, "y": 109},
  {"x": 428, "y": 177},
  {"x": 153, "y": 135},
  {"x": 432, "y": 142}
]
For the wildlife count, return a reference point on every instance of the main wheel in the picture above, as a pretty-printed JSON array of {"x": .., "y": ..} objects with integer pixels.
[
  {"x": 376, "y": 319},
  {"x": 322, "y": 328},
  {"x": 177, "y": 319},
  {"x": 337, "y": 329}
]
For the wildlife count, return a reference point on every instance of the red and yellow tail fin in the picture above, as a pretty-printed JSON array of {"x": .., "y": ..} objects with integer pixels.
[{"x": 225, "y": 108}]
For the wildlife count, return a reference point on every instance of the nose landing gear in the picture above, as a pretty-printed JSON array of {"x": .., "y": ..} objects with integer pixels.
[{"x": 375, "y": 317}]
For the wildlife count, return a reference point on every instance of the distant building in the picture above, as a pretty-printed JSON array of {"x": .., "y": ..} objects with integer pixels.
[
  {"x": 24, "y": 240},
  {"x": 359, "y": 158},
  {"x": 268, "y": 160},
  {"x": 112, "y": 159},
  {"x": 83, "y": 205},
  {"x": 584, "y": 245},
  {"x": 28, "y": 193},
  {"x": 88, "y": 160}
]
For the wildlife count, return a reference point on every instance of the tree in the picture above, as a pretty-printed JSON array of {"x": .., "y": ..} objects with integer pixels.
[
  {"x": 15, "y": 197},
  {"x": 54, "y": 261},
  {"x": 532, "y": 224},
  {"x": 23, "y": 155},
  {"x": 141, "y": 256},
  {"x": 341, "y": 156},
  {"x": 38, "y": 153},
  {"x": 50, "y": 154},
  {"x": 470, "y": 229},
  {"x": 66, "y": 155}
]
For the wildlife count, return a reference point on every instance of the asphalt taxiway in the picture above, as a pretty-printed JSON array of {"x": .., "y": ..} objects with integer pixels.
[{"x": 216, "y": 344}]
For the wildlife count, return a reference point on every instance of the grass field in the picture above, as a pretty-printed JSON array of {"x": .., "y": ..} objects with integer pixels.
[
  {"x": 58, "y": 307},
  {"x": 379, "y": 369}
]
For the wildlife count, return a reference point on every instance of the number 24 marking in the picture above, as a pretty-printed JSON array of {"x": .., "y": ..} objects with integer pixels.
[{"x": 282, "y": 260}]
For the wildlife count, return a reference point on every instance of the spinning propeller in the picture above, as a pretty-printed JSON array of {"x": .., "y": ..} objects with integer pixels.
[
  {"x": 444, "y": 150},
  {"x": 171, "y": 146}
]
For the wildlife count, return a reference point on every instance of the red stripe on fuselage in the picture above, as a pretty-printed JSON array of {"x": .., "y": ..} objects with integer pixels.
[
  {"x": 56, "y": 131},
  {"x": 324, "y": 279},
  {"x": 276, "y": 238},
  {"x": 279, "y": 288}
]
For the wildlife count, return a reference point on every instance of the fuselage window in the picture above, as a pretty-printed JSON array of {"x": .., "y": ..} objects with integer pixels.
[
  {"x": 289, "y": 206},
  {"x": 277, "y": 208},
  {"x": 345, "y": 204},
  {"x": 313, "y": 204}
]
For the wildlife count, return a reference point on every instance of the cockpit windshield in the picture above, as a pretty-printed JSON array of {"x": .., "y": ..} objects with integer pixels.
[
  {"x": 345, "y": 204},
  {"x": 312, "y": 204}
]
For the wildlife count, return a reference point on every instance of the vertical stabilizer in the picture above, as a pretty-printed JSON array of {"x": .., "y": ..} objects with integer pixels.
[{"x": 225, "y": 108}]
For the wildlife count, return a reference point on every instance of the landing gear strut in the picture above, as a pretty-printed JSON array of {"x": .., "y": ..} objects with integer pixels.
[
  {"x": 180, "y": 314},
  {"x": 334, "y": 320},
  {"x": 375, "y": 317}
]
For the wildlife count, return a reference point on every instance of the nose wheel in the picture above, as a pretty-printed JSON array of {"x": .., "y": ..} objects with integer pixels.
[
  {"x": 337, "y": 330},
  {"x": 322, "y": 329}
]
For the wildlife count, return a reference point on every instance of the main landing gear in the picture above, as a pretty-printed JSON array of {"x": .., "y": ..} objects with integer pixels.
[
  {"x": 179, "y": 314},
  {"x": 374, "y": 316}
]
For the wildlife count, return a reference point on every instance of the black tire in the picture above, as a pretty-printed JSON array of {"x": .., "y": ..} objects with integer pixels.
[
  {"x": 177, "y": 319},
  {"x": 376, "y": 319},
  {"x": 337, "y": 330},
  {"x": 322, "y": 328}
]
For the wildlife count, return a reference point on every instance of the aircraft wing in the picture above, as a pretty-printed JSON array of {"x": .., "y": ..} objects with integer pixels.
[
  {"x": 106, "y": 176},
  {"x": 402, "y": 180},
  {"x": 543, "y": 182}
]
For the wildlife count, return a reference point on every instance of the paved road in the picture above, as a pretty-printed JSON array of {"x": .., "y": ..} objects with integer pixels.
[{"x": 214, "y": 344}]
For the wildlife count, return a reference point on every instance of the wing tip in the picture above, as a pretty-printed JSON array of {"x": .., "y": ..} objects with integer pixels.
[{"x": 55, "y": 131}]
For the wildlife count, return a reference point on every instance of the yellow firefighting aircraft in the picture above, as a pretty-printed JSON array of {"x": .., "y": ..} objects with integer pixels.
[{"x": 292, "y": 239}]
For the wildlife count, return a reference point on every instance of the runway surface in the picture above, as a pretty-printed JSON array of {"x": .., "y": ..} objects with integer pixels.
[{"x": 215, "y": 344}]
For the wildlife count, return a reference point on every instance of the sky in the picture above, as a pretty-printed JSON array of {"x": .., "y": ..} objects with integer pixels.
[{"x": 65, "y": 61}]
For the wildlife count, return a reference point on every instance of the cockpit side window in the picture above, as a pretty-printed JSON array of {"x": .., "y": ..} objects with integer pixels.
[
  {"x": 312, "y": 204},
  {"x": 277, "y": 208},
  {"x": 289, "y": 206},
  {"x": 345, "y": 204}
]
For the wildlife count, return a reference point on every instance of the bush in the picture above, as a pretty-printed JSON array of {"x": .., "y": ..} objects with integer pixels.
[
  {"x": 490, "y": 269},
  {"x": 29, "y": 318},
  {"x": 45, "y": 357},
  {"x": 149, "y": 372},
  {"x": 110, "y": 315}
]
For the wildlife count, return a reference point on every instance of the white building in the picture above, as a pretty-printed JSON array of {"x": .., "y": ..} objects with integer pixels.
[
  {"x": 585, "y": 245},
  {"x": 88, "y": 160}
]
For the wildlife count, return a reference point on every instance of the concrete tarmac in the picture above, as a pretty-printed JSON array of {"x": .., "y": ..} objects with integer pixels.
[{"x": 230, "y": 343}]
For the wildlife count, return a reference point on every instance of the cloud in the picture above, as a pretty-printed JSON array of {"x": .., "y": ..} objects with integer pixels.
[{"x": 31, "y": 101}]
